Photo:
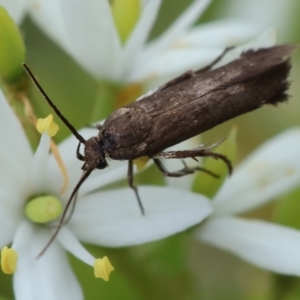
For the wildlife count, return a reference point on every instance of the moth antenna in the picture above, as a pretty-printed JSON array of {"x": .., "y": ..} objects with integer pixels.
[
  {"x": 62, "y": 219},
  {"x": 51, "y": 104}
]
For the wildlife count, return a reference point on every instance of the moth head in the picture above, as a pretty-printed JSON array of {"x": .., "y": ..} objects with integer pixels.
[{"x": 94, "y": 155}]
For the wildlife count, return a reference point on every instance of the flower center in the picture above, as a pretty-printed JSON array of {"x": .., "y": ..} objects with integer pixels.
[{"x": 43, "y": 209}]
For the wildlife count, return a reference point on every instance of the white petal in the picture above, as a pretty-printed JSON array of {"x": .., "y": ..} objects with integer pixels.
[
  {"x": 113, "y": 218},
  {"x": 10, "y": 217},
  {"x": 15, "y": 8},
  {"x": 177, "y": 29},
  {"x": 269, "y": 246},
  {"x": 39, "y": 170},
  {"x": 167, "y": 64},
  {"x": 48, "y": 16},
  {"x": 95, "y": 41},
  {"x": 272, "y": 170},
  {"x": 173, "y": 62},
  {"x": 71, "y": 244},
  {"x": 15, "y": 152},
  {"x": 220, "y": 33},
  {"x": 276, "y": 13},
  {"x": 264, "y": 40},
  {"x": 100, "y": 178},
  {"x": 140, "y": 33},
  {"x": 49, "y": 277}
]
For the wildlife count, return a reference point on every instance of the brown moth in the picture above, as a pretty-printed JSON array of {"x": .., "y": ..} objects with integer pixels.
[{"x": 180, "y": 109}]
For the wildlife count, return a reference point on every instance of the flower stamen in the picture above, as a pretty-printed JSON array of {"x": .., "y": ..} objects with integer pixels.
[
  {"x": 9, "y": 259},
  {"x": 47, "y": 125},
  {"x": 103, "y": 268},
  {"x": 33, "y": 120}
]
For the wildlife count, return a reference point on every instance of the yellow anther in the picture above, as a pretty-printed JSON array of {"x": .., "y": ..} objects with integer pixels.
[
  {"x": 102, "y": 268},
  {"x": 141, "y": 162},
  {"x": 47, "y": 125},
  {"x": 43, "y": 209},
  {"x": 125, "y": 14},
  {"x": 9, "y": 259}
]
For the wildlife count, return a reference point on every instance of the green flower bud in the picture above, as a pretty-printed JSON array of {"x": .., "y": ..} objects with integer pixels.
[
  {"x": 12, "y": 49},
  {"x": 206, "y": 184},
  {"x": 125, "y": 14}
]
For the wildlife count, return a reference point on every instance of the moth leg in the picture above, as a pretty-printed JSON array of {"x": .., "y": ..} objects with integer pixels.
[
  {"x": 185, "y": 171},
  {"x": 193, "y": 153},
  {"x": 78, "y": 154},
  {"x": 97, "y": 126},
  {"x": 214, "y": 62},
  {"x": 131, "y": 184}
]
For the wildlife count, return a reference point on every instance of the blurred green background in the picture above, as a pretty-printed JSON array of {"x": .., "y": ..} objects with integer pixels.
[{"x": 178, "y": 267}]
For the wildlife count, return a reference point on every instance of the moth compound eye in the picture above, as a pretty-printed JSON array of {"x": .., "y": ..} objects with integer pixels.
[{"x": 102, "y": 164}]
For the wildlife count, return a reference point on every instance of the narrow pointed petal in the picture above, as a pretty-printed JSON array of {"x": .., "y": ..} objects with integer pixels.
[
  {"x": 173, "y": 62},
  {"x": 181, "y": 57},
  {"x": 49, "y": 277},
  {"x": 15, "y": 152},
  {"x": 10, "y": 216},
  {"x": 39, "y": 166},
  {"x": 96, "y": 44},
  {"x": 113, "y": 218},
  {"x": 15, "y": 8},
  {"x": 141, "y": 31},
  {"x": 178, "y": 28},
  {"x": 100, "y": 178},
  {"x": 269, "y": 246},
  {"x": 272, "y": 170},
  {"x": 48, "y": 16},
  {"x": 220, "y": 33},
  {"x": 265, "y": 13},
  {"x": 264, "y": 40},
  {"x": 70, "y": 242}
]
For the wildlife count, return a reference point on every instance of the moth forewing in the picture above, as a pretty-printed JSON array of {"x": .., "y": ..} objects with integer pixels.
[{"x": 199, "y": 102}]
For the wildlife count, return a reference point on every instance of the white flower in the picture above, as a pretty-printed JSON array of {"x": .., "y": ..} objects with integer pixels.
[
  {"x": 272, "y": 170},
  {"x": 111, "y": 218},
  {"x": 87, "y": 31}
]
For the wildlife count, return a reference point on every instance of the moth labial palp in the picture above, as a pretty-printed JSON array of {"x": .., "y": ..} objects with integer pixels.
[{"x": 186, "y": 106}]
